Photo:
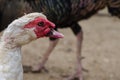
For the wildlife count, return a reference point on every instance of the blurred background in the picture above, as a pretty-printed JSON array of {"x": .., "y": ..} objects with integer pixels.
[{"x": 101, "y": 46}]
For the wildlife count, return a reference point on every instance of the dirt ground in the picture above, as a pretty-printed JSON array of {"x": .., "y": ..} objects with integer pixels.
[{"x": 101, "y": 49}]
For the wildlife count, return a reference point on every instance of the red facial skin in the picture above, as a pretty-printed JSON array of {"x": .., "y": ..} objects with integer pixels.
[{"x": 40, "y": 30}]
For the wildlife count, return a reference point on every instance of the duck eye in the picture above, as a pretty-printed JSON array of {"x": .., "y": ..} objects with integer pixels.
[{"x": 41, "y": 24}]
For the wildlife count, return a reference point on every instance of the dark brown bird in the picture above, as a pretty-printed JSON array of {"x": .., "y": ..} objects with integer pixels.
[
  {"x": 66, "y": 13},
  {"x": 10, "y": 10}
]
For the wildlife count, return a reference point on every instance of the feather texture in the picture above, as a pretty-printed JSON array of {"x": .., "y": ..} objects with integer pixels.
[
  {"x": 61, "y": 12},
  {"x": 10, "y": 10},
  {"x": 65, "y": 12},
  {"x": 114, "y": 7}
]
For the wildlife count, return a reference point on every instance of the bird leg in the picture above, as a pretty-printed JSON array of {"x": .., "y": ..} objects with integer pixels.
[
  {"x": 78, "y": 74},
  {"x": 41, "y": 65}
]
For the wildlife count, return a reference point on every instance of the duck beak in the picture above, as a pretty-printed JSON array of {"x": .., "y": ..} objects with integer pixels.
[{"x": 54, "y": 34}]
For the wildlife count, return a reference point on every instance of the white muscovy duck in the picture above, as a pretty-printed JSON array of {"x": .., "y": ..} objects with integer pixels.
[{"x": 21, "y": 31}]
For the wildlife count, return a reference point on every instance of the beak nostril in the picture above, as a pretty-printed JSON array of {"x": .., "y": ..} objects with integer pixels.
[{"x": 52, "y": 25}]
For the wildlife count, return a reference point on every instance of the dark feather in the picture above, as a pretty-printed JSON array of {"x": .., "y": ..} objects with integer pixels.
[
  {"x": 10, "y": 10},
  {"x": 65, "y": 12},
  {"x": 62, "y": 12},
  {"x": 114, "y": 7}
]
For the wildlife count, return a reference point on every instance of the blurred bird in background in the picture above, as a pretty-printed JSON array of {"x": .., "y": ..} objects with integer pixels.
[
  {"x": 64, "y": 13},
  {"x": 10, "y": 10}
]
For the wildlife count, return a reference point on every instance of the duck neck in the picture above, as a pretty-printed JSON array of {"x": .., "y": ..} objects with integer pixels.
[{"x": 10, "y": 62}]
